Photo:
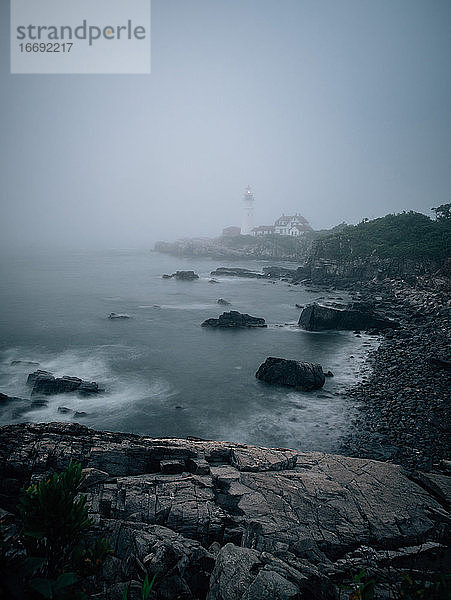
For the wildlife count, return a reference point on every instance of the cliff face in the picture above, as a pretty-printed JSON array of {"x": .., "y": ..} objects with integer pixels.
[
  {"x": 406, "y": 245},
  {"x": 224, "y": 521},
  {"x": 342, "y": 271},
  {"x": 241, "y": 247}
]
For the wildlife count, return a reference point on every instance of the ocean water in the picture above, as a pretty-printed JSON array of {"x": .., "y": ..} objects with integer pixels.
[{"x": 163, "y": 374}]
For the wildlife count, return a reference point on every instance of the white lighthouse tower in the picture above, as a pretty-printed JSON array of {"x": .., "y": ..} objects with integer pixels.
[{"x": 248, "y": 214}]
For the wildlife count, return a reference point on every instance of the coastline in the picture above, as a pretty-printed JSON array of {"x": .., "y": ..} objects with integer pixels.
[
  {"x": 273, "y": 522},
  {"x": 403, "y": 412}
]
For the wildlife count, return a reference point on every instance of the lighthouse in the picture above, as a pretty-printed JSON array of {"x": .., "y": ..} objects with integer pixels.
[{"x": 248, "y": 214}]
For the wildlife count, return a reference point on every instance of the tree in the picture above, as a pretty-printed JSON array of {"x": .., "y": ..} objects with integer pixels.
[{"x": 443, "y": 212}]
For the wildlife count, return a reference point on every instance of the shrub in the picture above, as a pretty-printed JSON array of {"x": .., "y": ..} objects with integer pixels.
[
  {"x": 53, "y": 517},
  {"x": 55, "y": 523}
]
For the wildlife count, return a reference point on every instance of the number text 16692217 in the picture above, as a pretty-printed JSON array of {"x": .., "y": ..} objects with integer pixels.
[{"x": 46, "y": 47}]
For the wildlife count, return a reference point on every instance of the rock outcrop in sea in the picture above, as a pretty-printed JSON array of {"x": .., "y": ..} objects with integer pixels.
[
  {"x": 5, "y": 398},
  {"x": 235, "y": 319},
  {"x": 316, "y": 317},
  {"x": 45, "y": 384},
  {"x": 182, "y": 275},
  {"x": 223, "y": 302},
  {"x": 237, "y": 272},
  {"x": 304, "y": 376},
  {"x": 221, "y": 521}
]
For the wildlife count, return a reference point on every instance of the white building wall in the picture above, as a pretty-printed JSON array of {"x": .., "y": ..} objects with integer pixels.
[
  {"x": 248, "y": 213},
  {"x": 248, "y": 219}
]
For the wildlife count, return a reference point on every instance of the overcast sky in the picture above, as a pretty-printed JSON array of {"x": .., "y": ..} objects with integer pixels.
[{"x": 337, "y": 109}]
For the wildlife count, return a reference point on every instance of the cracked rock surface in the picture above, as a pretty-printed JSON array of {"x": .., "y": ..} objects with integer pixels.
[{"x": 221, "y": 521}]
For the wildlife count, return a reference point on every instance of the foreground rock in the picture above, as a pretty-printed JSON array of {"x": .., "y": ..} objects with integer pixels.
[
  {"x": 316, "y": 317},
  {"x": 303, "y": 375},
  {"x": 234, "y": 319},
  {"x": 237, "y": 272},
  {"x": 45, "y": 384},
  {"x": 243, "y": 573},
  {"x": 182, "y": 275},
  {"x": 234, "y": 521}
]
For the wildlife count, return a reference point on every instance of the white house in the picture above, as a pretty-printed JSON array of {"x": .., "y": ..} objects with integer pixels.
[{"x": 291, "y": 225}]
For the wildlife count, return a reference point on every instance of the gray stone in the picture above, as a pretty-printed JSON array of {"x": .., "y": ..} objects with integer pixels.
[
  {"x": 45, "y": 384},
  {"x": 234, "y": 319},
  {"x": 303, "y": 375},
  {"x": 182, "y": 275},
  {"x": 223, "y": 302},
  {"x": 316, "y": 317},
  {"x": 237, "y": 272},
  {"x": 29, "y": 363},
  {"x": 172, "y": 466},
  {"x": 278, "y": 522},
  {"x": 246, "y": 574}
]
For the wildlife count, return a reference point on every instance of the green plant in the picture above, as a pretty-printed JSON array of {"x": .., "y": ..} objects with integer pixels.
[
  {"x": 88, "y": 560},
  {"x": 55, "y": 523},
  {"x": 145, "y": 589},
  {"x": 442, "y": 212},
  {"x": 54, "y": 518},
  {"x": 407, "y": 235},
  {"x": 360, "y": 587}
]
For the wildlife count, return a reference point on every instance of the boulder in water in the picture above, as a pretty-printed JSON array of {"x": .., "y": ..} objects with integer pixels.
[
  {"x": 118, "y": 316},
  {"x": 237, "y": 272},
  {"x": 303, "y": 375},
  {"x": 316, "y": 317},
  {"x": 234, "y": 319},
  {"x": 182, "y": 275},
  {"x": 186, "y": 275},
  {"x": 45, "y": 384},
  {"x": 29, "y": 363},
  {"x": 32, "y": 377},
  {"x": 223, "y": 302}
]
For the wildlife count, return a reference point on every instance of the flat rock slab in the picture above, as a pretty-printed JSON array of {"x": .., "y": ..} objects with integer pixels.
[
  {"x": 270, "y": 498},
  {"x": 274, "y": 519}
]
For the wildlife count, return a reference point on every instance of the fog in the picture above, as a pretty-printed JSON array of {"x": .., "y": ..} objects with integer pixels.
[{"x": 337, "y": 109}]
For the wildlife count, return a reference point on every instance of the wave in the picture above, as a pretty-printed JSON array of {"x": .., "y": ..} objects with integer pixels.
[{"x": 103, "y": 364}]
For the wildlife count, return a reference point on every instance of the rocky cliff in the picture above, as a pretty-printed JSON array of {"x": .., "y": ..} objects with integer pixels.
[
  {"x": 241, "y": 247},
  {"x": 227, "y": 521}
]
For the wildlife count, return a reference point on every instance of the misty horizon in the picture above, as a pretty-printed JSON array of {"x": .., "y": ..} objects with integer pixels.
[{"x": 337, "y": 111}]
